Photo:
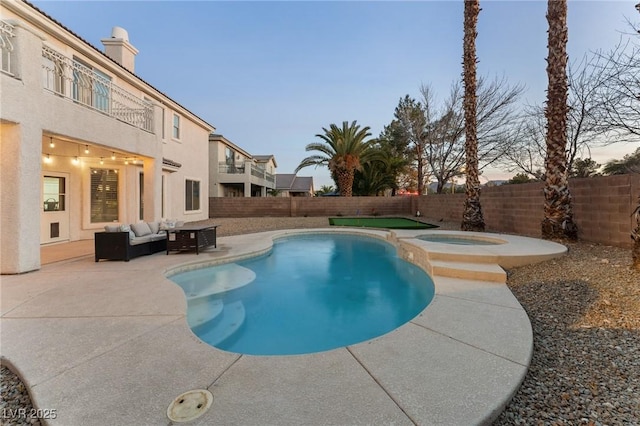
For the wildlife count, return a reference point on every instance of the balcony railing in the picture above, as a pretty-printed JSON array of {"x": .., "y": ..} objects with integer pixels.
[
  {"x": 261, "y": 173},
  {"x": 270, "y": 177},
  {"x": 230, "y": 169},
  {"x": 6, "y": 48},
  {"x": 93, "y": 89}
]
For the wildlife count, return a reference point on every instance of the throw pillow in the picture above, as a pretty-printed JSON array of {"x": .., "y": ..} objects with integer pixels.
[
  {"x": 154, "y": 226},
  {"x": 127, "y": 228},
  {"x": 112, "y": 228},
  {"x": 141, "y": 229}
]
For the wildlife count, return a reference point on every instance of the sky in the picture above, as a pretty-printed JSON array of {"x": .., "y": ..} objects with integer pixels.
[{"x": 269, "y": 76}]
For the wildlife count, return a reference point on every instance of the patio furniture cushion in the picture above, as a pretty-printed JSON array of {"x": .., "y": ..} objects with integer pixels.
[
  {"x": 127, "y": 228},
  {"x": 141, "y": 229},
  {"x": 112, "y": 228},
  {"x": 167, "y": 224},
  {"x": 157, "y": 237},
  {"x": 154, "y": 226},
  {"x": 140, "y": 240}
]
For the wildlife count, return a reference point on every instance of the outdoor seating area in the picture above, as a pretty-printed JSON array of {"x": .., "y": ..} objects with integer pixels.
[{"x": 126, "y": 242}]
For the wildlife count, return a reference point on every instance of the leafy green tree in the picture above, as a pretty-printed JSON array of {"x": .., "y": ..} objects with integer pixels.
[
  {"x": 324, "y": 189},
  {"x": 412, "y": 120},
  {"x": 520, "y": 178},
  {"x": 343, "y": 151},
  {"x": 583, "y": 168},
  {"x": 390, "y": 162},
  {"x": 630, "y": 163},
  {"x": 379, "y": 174}
]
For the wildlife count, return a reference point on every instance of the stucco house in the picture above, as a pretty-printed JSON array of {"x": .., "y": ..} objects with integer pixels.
[
  {"x": 233, "y": 172},
  {"x": 86, "y": 142},
  {"x": 292, "y": 185}
]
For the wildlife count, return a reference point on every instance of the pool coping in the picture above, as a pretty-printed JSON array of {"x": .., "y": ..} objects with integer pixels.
[{"x": 108, "y": 343}]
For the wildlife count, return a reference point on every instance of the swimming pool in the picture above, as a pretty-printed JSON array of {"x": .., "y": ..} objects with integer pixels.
[{"x": 309, "y": 294}]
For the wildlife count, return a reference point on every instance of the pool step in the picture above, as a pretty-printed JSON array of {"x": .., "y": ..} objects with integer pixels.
[
  {"x": 202, "y": 310},
  {"x": 231, "y": 319},
  {"x": 219, "y": 279},
  {"x": 468, "y": 270}
]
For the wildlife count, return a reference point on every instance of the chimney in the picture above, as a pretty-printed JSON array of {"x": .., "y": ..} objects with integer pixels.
[{"x": 119, "y": 49}]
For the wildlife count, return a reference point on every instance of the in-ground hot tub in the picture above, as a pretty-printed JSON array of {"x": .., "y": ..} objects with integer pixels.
[{"x": 470, "y": 240}]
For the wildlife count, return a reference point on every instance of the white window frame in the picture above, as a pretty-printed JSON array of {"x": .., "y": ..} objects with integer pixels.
[
  {"x": 176, "y": 129},
  {"x": 186, "y": 208},
  {"x": 164, "y": 124},
  {"x": 117, "y": 190}
]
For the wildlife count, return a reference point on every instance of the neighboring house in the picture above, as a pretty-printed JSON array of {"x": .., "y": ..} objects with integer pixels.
[
  {"x": 290, "y": 185},
  {"x": 233, "y": 172},
  {"x": 84, "y": 141}
]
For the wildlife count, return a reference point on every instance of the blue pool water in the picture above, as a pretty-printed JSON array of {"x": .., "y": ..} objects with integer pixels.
[{"x": 309, "y": 294}]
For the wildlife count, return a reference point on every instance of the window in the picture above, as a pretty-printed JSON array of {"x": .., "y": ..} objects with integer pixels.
[
  {"x": 192, "y": 195},
  {"x": 163, "y": 198},
  {"x": 163, "y": 124},
  {"x": 141, "y": 201},
  {"x": 176, "y": 126},
  {"x": 229, "y": 156},
  {"x": 53, "y": 194},
  {"x": 91, "y": 87},
  {"x": 101, "y": 91},
  {"x": 54, "y": 71},
  {"x": 81, "y": 88},
  {"x": 104, "y": 195}
]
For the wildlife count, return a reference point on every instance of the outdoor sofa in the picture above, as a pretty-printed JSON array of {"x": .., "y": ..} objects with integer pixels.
[{"x": 125, "y": 242}]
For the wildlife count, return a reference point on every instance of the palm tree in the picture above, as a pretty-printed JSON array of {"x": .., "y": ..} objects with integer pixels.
[
  {"x": 472, "y": 219},
  {"x": 343, "y": 151},
  {"x": 558, "y": 216},
  {"x": 324, "y": 189}
]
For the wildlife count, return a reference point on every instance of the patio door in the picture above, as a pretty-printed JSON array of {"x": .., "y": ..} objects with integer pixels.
[{"x": 54, "y": 220}]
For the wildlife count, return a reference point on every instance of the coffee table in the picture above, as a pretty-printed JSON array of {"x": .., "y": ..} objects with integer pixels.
[{"x": 191, "y": 238}]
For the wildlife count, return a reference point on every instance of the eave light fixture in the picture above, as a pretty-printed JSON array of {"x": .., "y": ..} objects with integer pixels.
[
  {"x": 51, "y": 144},
  {"x": 86, "y": 149},
  {"x": 75, "y": 160},
  {"x": 101, "y": 160},
  {"x": 113, "y": 156},
  {"x": 47, "y": 158}
]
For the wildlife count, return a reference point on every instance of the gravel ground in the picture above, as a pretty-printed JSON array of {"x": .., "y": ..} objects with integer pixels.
[{"x": 585, "y": 313}]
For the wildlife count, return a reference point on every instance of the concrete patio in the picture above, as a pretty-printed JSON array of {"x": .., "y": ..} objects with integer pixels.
[{"x": 108, "y": 343}]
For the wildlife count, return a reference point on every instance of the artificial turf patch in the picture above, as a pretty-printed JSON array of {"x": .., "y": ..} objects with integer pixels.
[{"x": 380, "y": 222}]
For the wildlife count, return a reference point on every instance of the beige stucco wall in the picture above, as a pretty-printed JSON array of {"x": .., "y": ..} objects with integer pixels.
[
  {"x": 30, "y": 114},
  {"x": 191, "y": 150}
]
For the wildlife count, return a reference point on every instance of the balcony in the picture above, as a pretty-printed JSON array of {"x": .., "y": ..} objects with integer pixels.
[
  {"x": 6, "y": 48},
  {"x": 93, "y": 89},
  {"x": 225, "y": 168},
  {"x": 261, "y": 173}
]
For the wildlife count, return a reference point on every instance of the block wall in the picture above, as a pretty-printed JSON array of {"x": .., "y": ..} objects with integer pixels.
[{"x": 602, "y": 207}]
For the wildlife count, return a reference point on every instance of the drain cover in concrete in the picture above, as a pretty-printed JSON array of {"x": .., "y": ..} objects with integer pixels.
[{"x": 190, "y": 405}]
